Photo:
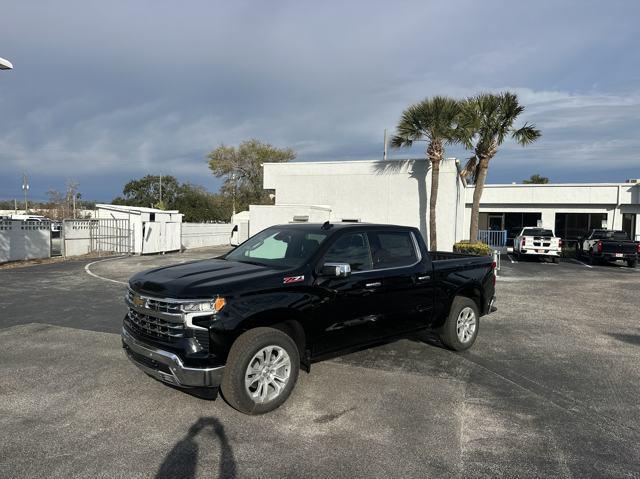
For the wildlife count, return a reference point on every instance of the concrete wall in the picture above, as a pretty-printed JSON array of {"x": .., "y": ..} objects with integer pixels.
[
  {"x": 76, "y": 236},
  {"x": 394, "y": 191},
  {"x": 198, "y": 235},
  {"x": 21, "y": 240}
]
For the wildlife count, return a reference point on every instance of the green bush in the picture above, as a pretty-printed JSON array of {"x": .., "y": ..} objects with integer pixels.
[{"x": 476, "y": 248}]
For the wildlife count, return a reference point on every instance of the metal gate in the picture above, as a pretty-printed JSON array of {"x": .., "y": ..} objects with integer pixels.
[{"x": 101, "y": 236}]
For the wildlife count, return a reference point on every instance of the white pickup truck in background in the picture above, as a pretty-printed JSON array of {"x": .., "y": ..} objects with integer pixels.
[{"x": 537, "y": 242}]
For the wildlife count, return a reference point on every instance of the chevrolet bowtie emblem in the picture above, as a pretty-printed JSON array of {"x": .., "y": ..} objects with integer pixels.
[{"x": 138, "y": 301}]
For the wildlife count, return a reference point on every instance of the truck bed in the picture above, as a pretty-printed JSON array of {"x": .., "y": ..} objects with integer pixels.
[{"x": 444, "y": 260}]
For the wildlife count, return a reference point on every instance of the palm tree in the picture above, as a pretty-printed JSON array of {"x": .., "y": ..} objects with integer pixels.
[
  {"x": 487, "y": 120},
  {"x": 434, "y": 120}
]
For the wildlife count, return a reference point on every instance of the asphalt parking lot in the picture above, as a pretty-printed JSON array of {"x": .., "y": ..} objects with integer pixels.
[{"x": 550, "y": 389}]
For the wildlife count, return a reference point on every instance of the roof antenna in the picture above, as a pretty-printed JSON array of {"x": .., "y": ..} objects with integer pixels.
[{"x": 326, "y": 225}]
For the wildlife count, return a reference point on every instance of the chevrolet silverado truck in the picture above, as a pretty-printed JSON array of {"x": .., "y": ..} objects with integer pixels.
[
  {"x": 248, "y": 321},
  {"x": 539, "y": 242},
  {"x": 608, "y": 245}
]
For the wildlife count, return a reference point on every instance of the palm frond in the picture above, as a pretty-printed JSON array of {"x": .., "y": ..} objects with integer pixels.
[
  {"x": 432, "y": 118},
  {"x": 526, "y": 135}
]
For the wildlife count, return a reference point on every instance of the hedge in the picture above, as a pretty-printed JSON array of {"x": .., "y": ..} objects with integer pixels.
[{"x": 476, "y": 248}]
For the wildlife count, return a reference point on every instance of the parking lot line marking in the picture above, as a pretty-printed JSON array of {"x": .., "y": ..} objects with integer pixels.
[
  {"x": 91, "y": 273},
  {"x": 580, "y": 262},
  {"x": 511, "y": 259}
]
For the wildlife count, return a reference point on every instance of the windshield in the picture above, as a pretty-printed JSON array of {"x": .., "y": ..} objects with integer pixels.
[
  {"x": 606, "y": 234},
  {"x": 279, "y": 247},
  {"x": 536, "y": 232}
]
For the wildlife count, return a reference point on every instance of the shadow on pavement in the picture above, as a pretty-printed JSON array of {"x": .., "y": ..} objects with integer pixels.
[
  {"x": 182, "y": 460},
  {"x": 627, "y": 338}
]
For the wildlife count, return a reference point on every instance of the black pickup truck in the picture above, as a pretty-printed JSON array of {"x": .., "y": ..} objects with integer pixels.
[
  {"x": 292, "y": 294},
  {"x": 609, "y": 245}
]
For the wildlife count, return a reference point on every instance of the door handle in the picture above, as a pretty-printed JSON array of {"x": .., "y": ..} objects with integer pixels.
[
  {"x": 376, "y": 284},
  {"x": 424, "y": 278}
]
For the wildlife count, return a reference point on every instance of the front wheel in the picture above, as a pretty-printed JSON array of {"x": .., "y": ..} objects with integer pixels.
[
  {"x": 460, "y": 330},
  {"x": 262, "y": 369}
]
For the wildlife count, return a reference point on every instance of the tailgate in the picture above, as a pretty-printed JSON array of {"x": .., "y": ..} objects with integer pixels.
[
  {"x": 623, "y": 247},
  {"x": 548, "y": 243}
]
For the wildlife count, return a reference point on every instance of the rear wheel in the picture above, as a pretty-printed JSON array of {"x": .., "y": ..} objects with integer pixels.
[
  {"x": 555, "y": 259},
  {"x": 632, "y": 263},
  {"x": 262, "y": 369},
  {"x": 460, "y": 330}
]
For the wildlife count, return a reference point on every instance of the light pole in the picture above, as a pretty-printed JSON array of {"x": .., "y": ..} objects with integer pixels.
[
  {"x": 5, "y": 64},
  {"x": 25, "y": 188}
]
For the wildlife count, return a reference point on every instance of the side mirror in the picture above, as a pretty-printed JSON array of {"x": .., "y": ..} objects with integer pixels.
[{"x": 336, "y": 270}]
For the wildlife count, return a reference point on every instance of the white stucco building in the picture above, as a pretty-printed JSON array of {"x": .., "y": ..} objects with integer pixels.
[{"x": 397, "y": 191}]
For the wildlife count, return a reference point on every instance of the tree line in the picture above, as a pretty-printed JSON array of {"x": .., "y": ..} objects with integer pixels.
[{"x": 241, "y": 168}]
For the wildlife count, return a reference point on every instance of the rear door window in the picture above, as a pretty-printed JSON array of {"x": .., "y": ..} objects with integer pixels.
[
  {"x": 393, "y": 249},
  {"x": 351, "y": 248}
]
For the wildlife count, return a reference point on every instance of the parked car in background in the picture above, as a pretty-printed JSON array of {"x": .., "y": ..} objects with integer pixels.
[
  {"x": 293, "y": 294},
  {"x": 609, "y": 245},
  {"x": 539, "y": 242}
]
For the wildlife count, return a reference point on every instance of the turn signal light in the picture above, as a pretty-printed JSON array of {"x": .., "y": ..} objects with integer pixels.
[
  {"x": 219, "y": 303},
  {"x": 638, "y": 248}
]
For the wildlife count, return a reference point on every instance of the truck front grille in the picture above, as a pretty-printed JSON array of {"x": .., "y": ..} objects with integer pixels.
[
  {"x": 155, "y": 328},
  {"x": 158, "y": 304}
]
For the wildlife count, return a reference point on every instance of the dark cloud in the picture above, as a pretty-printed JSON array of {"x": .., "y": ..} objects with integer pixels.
[{"x": 105, "y": 91}]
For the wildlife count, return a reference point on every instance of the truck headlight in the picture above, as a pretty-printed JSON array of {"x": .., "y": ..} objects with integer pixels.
[{"x": 212, "y": 306}]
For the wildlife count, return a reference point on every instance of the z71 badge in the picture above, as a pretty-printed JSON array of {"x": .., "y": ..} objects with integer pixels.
[{"x": 293, "y": 279}]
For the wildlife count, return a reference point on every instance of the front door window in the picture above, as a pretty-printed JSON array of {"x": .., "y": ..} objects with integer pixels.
[{"x": 495, "y": 222}]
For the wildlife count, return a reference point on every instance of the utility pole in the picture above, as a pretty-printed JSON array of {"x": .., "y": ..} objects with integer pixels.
[
  {"x": 74, "y": 205},
  {"x": 15, "y": 206},
  {"x": 233, "y": 178},
  {"x": 25, "y": 188},
  {"x": 161, "y": 189},
  {"x": 384, "y": 153}
]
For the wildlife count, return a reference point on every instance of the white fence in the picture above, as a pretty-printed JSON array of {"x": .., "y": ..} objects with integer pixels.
[
  {"x": 81, "y": 237},
  {"x": 21, "y": 240},
  {"x": 160, "y": 236},
  {"x": 198, "y": 235}
]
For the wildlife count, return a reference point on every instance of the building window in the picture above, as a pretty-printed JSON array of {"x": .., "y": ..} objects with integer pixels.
[
  {"x": 572, "y": 226},
  {"x": 629, "y": 224},
  {"x": 512, "y": 222}
]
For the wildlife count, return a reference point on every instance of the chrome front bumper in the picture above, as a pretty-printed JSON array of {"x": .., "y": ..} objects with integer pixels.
[{"x": 168, "y": 367}]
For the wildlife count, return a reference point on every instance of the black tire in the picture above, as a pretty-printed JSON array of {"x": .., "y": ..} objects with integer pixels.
[
  {"x": 448, "y": 332},
  {"x": 591, "y": 259},
  {"x": 632, "y": 263},
  {"x": 555, "y": 259},
  {"x": 242, "y": 352}
]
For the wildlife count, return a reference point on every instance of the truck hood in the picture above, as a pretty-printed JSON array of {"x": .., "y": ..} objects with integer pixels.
[{"x": 199, "y": 279}]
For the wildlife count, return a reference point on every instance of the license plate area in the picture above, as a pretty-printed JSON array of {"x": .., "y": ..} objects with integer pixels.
[{"x": 619, "y": 255}]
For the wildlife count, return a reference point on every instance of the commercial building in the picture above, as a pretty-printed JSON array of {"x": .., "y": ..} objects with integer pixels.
[{"x": 397, "y": 191}]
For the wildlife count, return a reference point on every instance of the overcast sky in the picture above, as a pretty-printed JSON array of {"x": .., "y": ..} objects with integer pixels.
[{"x": 102, "y": 92}]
